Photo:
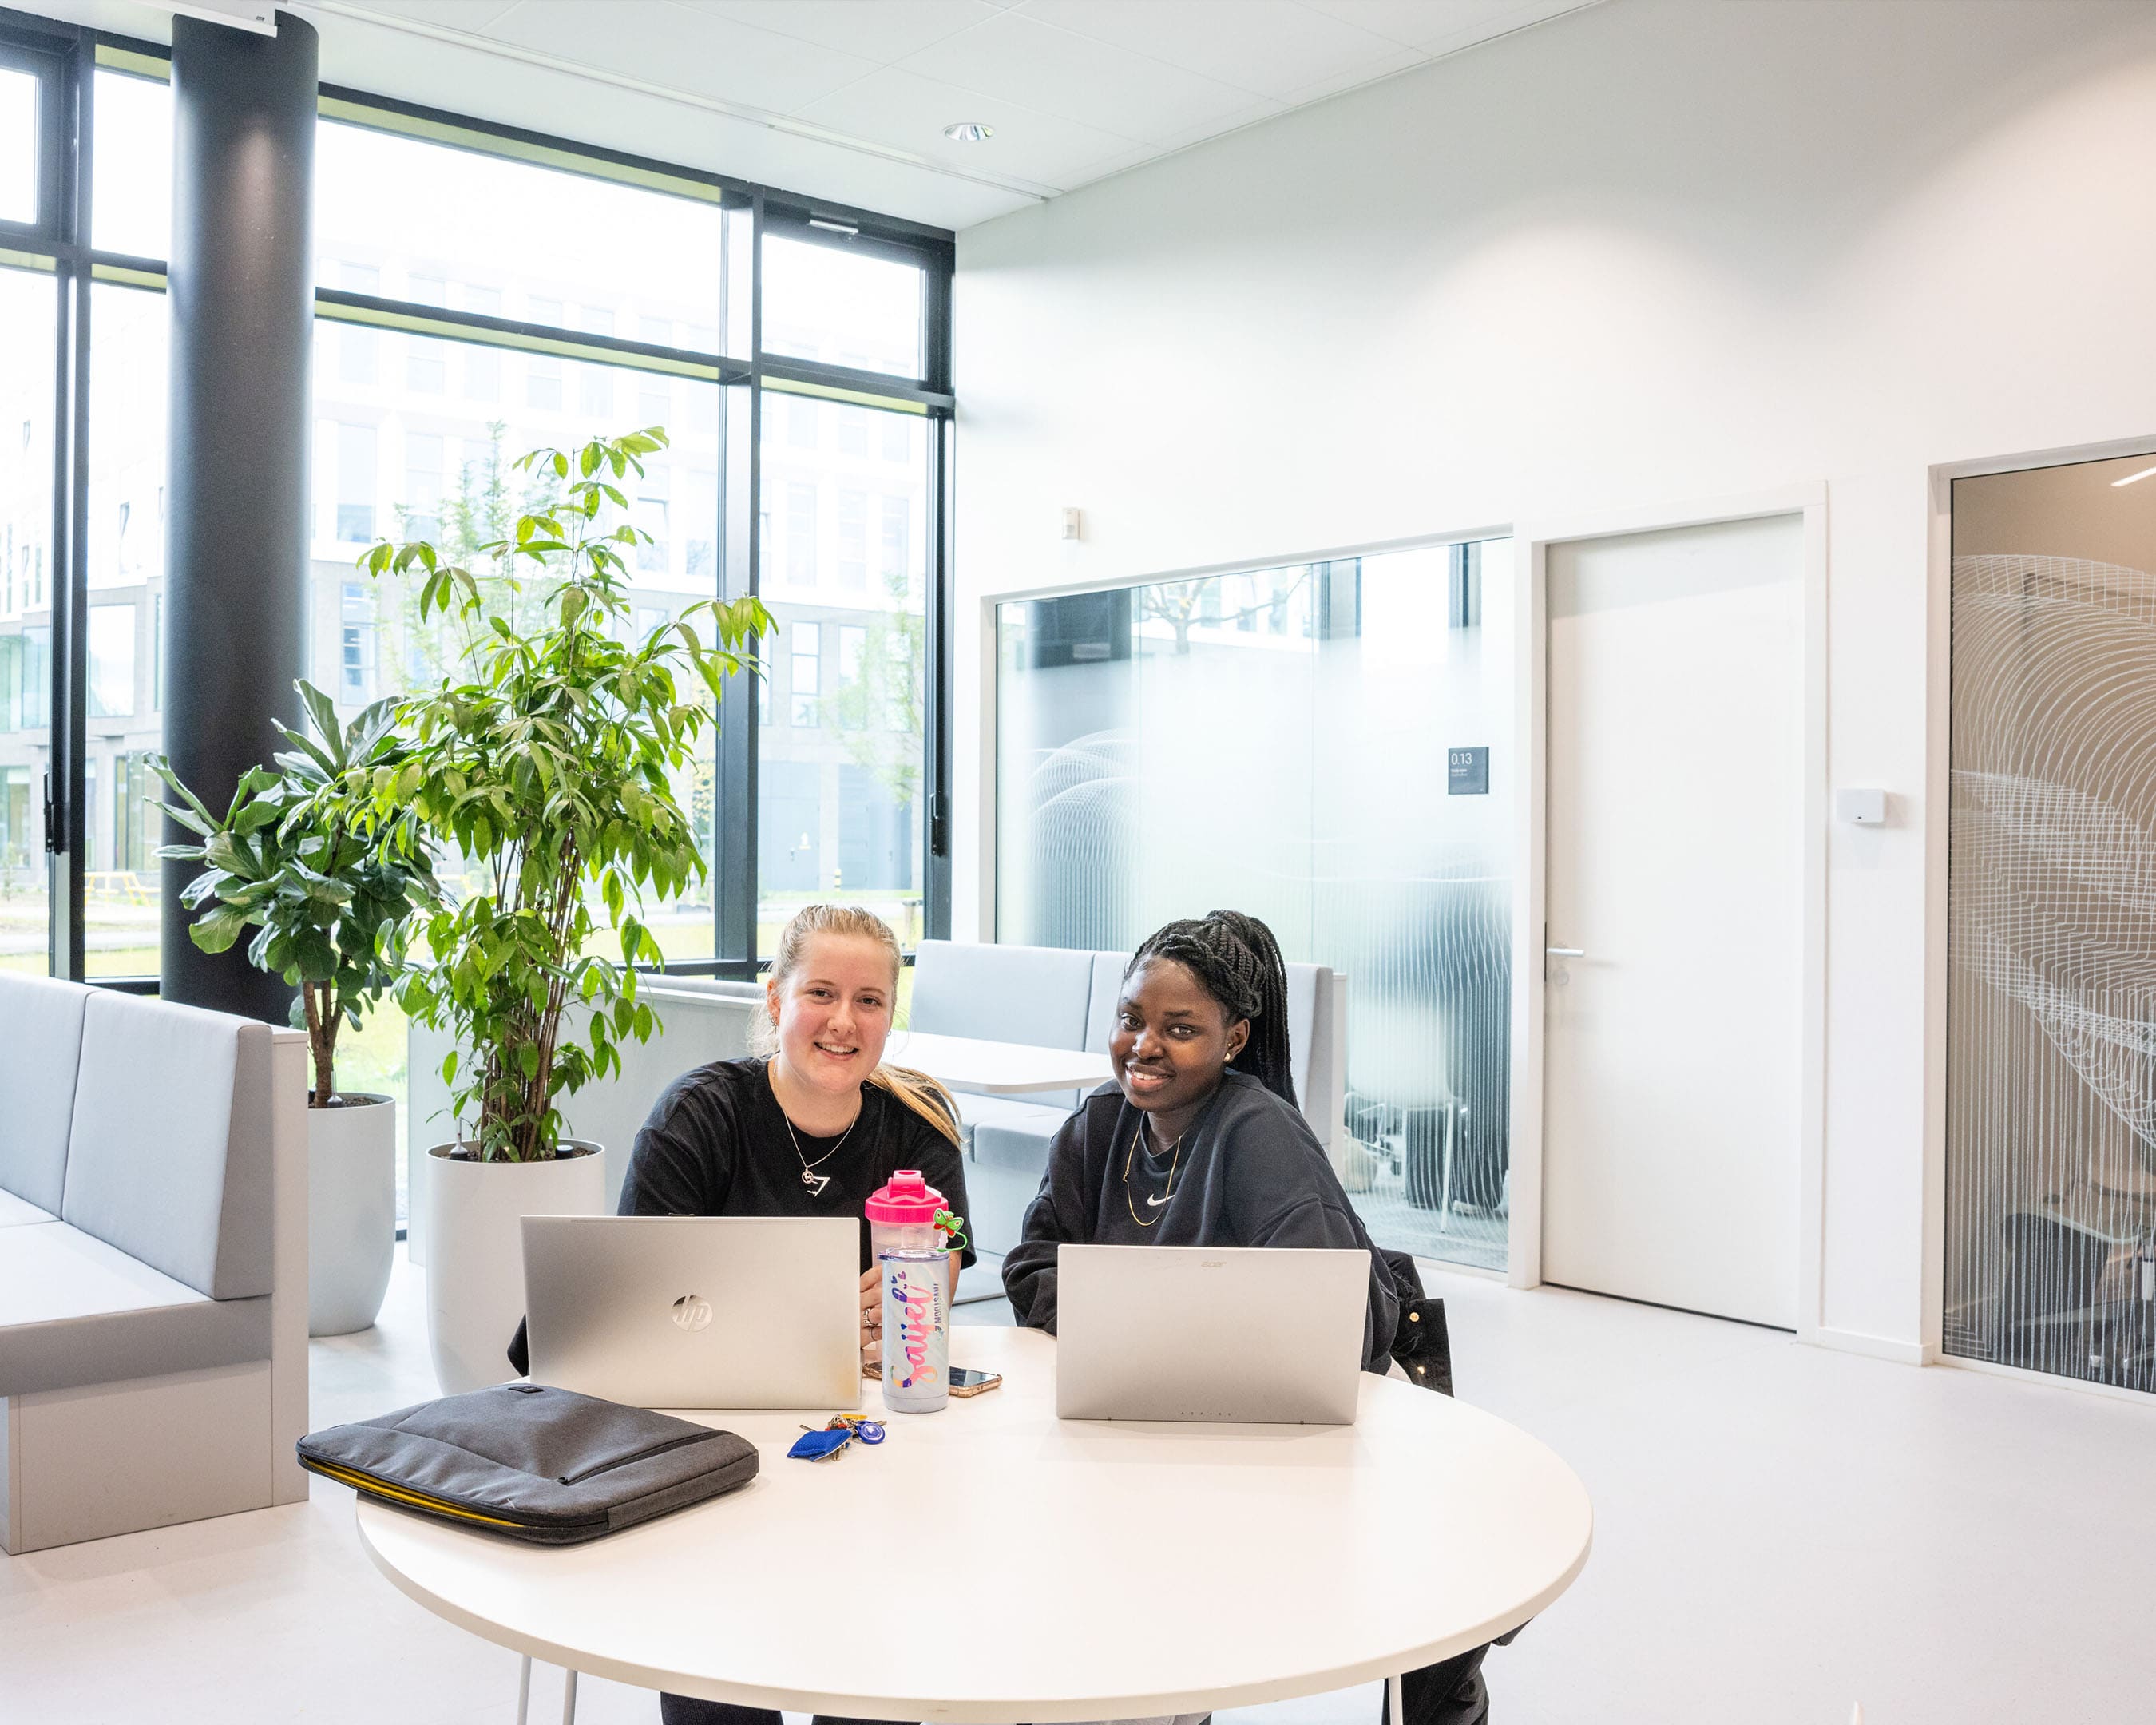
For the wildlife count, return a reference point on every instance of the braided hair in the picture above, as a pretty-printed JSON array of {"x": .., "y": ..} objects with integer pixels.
[{"x": 1236, "y": 961}]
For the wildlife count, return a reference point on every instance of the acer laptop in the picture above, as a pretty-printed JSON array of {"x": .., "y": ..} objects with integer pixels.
[
  {"x": 1267, "y": 1335},
  {"x": 696, "y": 1311}
]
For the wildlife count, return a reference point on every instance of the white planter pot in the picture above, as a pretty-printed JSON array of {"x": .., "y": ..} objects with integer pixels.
[
  {"x": 352, "y": 1211},
  {"x": 476, "y": 1256}
]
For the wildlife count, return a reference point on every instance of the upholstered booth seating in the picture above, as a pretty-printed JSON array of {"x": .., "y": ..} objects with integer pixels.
[
  {"x": 1057, "y": 997},
  {"x": 153, "y": 1268}
]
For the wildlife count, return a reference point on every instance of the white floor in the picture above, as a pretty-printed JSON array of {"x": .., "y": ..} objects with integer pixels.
[{"x": 1781, "y": 1533}]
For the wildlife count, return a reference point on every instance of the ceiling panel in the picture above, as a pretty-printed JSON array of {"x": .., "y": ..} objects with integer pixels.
[
  {"x": 455, "y": 14},
  {"x": 883, "y": 30},
  {"x": 658, "y": 42},
  {"x": 1268, "y": 47},
  {"x": 1036, "y": 66},
  {"x": 1439, "y": 25},
  {"x": 909, "y": 112}
]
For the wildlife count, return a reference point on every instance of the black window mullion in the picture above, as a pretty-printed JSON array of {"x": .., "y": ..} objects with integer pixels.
[
  {"x": 67, "y": 827},
  {"x": 939, "y": 675}
]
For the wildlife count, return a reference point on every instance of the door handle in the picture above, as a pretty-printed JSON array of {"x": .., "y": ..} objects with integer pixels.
[{"x": 1565, "y": 952}]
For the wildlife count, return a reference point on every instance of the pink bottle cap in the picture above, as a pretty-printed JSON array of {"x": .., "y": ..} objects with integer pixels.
[{"x": 907, "y": 1199}]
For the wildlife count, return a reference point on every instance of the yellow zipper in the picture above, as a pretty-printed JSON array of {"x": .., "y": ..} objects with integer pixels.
[{"x": 361, "y": 1482}]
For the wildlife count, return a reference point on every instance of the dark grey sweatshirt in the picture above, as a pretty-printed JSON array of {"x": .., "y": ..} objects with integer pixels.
[{"x": 1250, "y": 1173}]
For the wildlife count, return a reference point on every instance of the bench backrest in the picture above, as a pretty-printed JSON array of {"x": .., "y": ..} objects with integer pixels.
[
  {"x": 144, "y": 1124},
  {"x": 1005, "y": 993},
  {"x": 40, "y": 1043}
]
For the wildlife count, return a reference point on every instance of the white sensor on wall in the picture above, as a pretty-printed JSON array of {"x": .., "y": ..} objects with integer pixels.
[
  {"x": 1073, "y": 524},
  {"x": 1861, "y": 808}
]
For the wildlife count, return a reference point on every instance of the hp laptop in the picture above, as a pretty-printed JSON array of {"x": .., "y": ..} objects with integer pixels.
[
  {"x": 1263, "y": 1337},
  {"x": 696, "y": 1311}
]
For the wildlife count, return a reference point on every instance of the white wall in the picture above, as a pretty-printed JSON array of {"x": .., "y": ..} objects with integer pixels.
[{"x": 1656, "y": 251}]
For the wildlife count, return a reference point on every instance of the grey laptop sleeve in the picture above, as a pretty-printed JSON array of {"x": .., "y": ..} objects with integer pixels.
[{"x": 528, "y": 1461}]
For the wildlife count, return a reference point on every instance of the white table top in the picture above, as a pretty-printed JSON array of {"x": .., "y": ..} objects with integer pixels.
[
  {"x": 992, "y": 1563},
  {"x": 997, "y": 1069}
]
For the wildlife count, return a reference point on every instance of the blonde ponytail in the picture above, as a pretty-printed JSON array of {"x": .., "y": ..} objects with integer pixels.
[{"x": 916, "y": 1090}]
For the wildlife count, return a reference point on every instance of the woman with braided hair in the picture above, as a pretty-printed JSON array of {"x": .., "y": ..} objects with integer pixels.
[{"x": 1199, "y": 1142}]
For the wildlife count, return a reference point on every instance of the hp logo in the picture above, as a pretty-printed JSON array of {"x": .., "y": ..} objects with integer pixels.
[{"x": 692, "y": 1313}]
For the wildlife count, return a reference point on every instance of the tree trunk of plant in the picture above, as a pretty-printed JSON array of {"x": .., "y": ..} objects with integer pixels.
[{"x": 322, "y": 1040}]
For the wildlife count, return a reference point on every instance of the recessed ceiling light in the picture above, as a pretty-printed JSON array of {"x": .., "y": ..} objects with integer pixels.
[
  {"x": 2145, "y": 473},
  {"x": 969, "y": 132}
]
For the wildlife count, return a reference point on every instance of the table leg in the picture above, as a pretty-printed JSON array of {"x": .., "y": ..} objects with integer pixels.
[
  {"x": 569, "y": 1698},
  {"x": 524, "y": 1691},
  {"x": 1396, "y": 1694}
]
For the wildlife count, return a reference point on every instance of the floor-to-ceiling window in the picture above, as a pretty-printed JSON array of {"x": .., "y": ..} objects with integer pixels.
[
  {"x": 480, "y": 292},
  {"x": 1329, "y": 746}
]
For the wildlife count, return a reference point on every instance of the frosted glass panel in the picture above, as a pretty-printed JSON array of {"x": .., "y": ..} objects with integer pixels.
[
  {"x": 2051, "y": 1260},
  {"x": 1280, "y": 742}
]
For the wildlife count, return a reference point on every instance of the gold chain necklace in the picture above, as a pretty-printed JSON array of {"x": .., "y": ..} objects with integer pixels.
[{"x": 1175, "y": 1156}]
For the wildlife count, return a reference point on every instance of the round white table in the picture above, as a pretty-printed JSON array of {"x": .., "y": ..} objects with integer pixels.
[{"x": 991, "y": 1562}]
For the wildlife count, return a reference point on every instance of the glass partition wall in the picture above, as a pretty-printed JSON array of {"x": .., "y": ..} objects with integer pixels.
[
  {"x": 2051, "y": 1068},
  {"x": 1328, "y": 746},
  {"x": 480, "y": 291}
]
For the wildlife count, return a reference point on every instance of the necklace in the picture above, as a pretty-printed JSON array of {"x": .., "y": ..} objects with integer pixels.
[
  {"x": 1175, "y": 1156},
  {"x": 810, "y": 1178}
]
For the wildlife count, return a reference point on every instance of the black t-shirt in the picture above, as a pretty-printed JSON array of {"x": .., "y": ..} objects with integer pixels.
[
  {"x": 715, "y": 1144},
  {"x": 718, "y": 1144}
]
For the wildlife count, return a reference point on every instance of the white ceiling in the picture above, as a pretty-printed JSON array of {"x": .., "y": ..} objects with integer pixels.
[{"x": 847, "y": 100}]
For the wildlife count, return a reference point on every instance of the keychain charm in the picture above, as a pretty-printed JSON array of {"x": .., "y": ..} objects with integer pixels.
[{"x": 822, "y": 1444}]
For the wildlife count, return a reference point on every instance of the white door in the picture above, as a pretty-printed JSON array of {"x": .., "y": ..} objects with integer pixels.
[{"x": 1672, "y": 1050}]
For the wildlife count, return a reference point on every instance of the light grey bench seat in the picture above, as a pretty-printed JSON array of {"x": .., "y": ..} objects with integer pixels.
[
  {"x": 15, "y": 1212},
  {"x": 153, "y": 1266},
  {"x": 79, "y": 1312}
]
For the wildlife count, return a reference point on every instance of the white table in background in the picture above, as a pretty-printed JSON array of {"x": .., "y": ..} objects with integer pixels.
[
  {"x": 991, "y": 1564},
  {"x": 996, "y": 1069}
]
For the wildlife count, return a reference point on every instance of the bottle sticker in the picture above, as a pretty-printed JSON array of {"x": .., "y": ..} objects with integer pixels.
[{"x": 915, "y": 1349}]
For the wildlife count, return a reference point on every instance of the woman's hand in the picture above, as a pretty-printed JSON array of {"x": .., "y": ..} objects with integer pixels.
[{"x": 871, "y": 1318}]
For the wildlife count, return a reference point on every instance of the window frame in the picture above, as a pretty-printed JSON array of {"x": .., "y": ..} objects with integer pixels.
[{"x": 67, "y": 57}]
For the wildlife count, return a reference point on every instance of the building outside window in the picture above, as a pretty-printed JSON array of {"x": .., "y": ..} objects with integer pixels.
[
  {"x": 854, "y": 540},
  {"x": 111, "y": 661},
  {"x": 359, "y": 349},
  {"x": 356, "y": 484},
  {"x": 426, "y": 361},
  {"x": 806, "y": 671},
  {"x": 595, "y": 384},
  {"x": 482, "y": 365},
  {"x": 801, "y": 533},
  {"x": 420, "y": 510}
]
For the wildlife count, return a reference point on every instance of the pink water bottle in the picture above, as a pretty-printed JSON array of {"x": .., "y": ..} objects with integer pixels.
[{"x": 910, "y": 1255}]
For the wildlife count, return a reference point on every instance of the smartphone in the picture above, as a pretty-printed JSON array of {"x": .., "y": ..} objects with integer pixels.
[{"x": 965, "y": 1380}]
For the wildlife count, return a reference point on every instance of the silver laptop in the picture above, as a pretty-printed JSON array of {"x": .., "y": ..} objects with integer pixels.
[
  {"x": 696, "y": 1311},
  {"x": 1256, "y": 1337}
]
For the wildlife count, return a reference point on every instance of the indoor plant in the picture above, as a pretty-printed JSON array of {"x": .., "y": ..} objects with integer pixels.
[
  {"x": 545, "y": 762},
  {"x": 300, "y": 857}
]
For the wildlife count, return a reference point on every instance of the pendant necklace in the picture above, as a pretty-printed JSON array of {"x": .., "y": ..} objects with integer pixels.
[
  {"x": 1175, "y": 1156},
  {"x": 810, "y": 1178}
]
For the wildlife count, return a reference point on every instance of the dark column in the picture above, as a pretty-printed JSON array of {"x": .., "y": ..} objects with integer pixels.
[{"x": 236, "y": 502}]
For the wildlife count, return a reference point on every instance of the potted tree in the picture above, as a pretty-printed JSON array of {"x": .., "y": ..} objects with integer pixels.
[
  {"x": 545, "y": 762},
  {"x": 299, "y": 857}
]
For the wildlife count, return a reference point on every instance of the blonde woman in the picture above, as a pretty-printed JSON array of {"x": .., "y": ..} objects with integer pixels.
[{"x": 809, "y": 1124}]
